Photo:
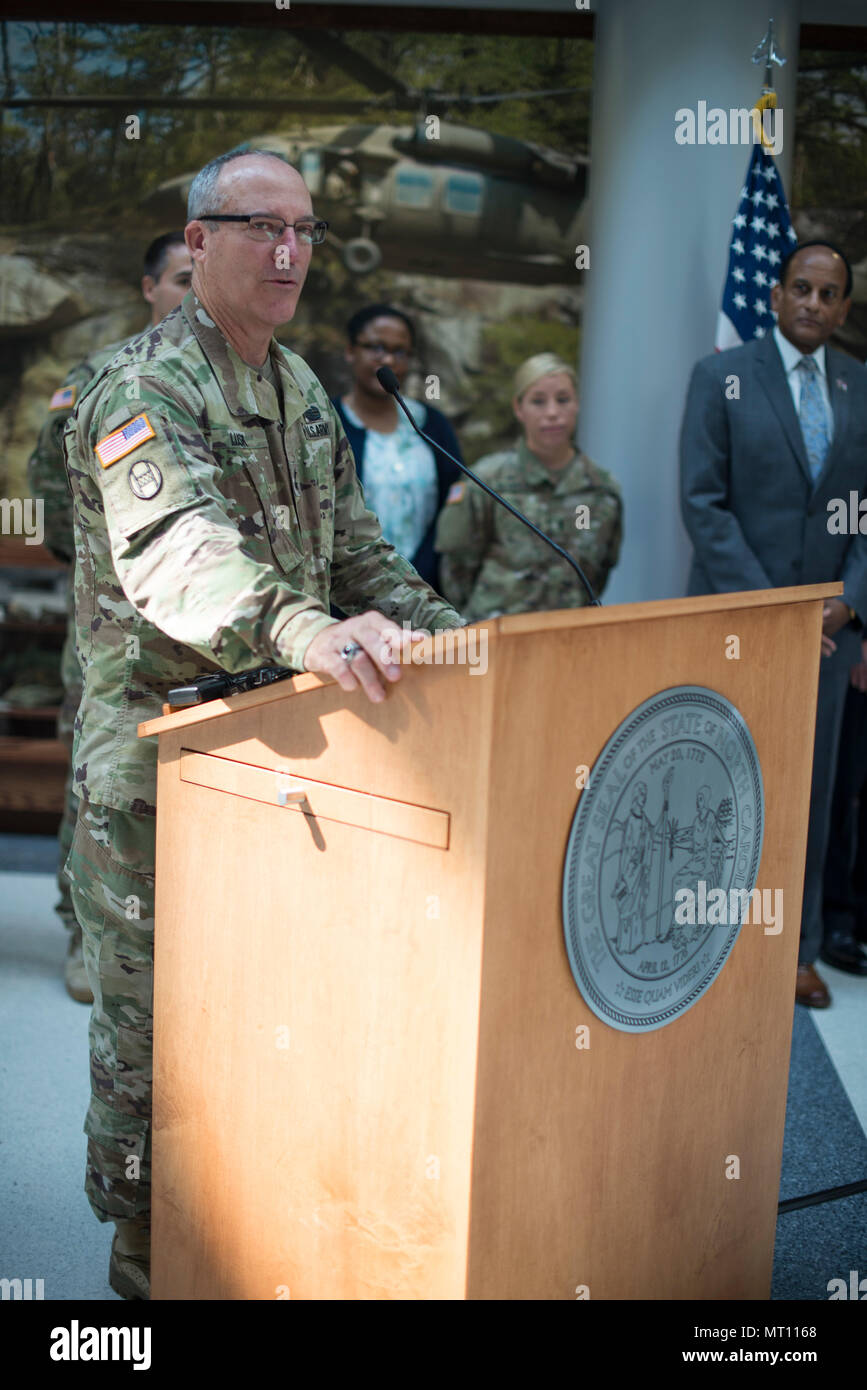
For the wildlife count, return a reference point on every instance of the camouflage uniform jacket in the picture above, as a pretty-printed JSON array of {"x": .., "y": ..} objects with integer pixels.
[
  {"x": 46, "y": 474},
  {"x": 213, "y": 526},
  {"x": 46, "y": 470},
  {"x": 491, "y": 563}
]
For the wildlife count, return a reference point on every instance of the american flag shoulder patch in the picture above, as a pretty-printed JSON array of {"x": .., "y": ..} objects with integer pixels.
[
  {"x": 63, "y": 398},
  {"x": 122, "y": 441},
  {"x": 456, "y": 492}
]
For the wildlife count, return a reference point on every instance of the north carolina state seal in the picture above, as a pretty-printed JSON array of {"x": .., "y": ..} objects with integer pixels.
[{"x": 662, "y": 857}]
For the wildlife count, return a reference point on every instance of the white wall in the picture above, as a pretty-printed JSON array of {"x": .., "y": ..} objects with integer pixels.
[{"x": 660, "y": 221}]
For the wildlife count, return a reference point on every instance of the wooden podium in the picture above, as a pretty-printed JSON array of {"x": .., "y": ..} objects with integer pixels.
[{"x": 367, "y": 1084}]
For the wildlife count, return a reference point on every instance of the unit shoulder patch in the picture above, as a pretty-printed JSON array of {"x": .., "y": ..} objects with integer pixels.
[{"x": 145, "y": 479}]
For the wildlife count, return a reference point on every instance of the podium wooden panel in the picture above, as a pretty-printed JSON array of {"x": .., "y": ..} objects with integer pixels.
[{"x": 366, "y": 1078}]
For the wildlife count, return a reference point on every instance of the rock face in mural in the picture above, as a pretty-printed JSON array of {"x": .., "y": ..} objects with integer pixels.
[{"x": 59, "y": 298}]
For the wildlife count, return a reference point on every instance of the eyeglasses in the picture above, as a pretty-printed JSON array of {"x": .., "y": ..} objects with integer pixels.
[
  {"x": 261, "y": 227},
  {"x": 383, "y": 350}
]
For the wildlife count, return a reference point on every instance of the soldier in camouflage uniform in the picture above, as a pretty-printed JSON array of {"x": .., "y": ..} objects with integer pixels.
[
  {"x": 165, "y": 280},
  {"x": 217, "y": 517},
  {"x": 490, "y": 562}
]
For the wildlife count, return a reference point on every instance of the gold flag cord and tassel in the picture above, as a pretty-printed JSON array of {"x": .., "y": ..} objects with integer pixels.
[{"x": 766, "y": 102}]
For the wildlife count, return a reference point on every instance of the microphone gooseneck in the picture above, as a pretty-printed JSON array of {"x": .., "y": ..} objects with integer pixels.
[{"x": 389, "y": 382}]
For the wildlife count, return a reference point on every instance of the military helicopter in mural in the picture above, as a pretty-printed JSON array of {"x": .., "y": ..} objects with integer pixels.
[
  {"x": 460, "y": 201},
  {"x": 434, "y": 197}
]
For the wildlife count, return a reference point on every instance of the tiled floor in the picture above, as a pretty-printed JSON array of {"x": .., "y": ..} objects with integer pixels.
[
  {"x": 47, "y": 1229},
  {"x": 843, "y": 1030}
]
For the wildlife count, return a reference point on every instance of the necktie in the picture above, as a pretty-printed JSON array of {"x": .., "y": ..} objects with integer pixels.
[{"x": 813, "y": 416}]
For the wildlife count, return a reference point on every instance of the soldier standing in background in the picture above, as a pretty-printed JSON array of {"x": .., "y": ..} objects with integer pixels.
[
  {"x": 490, "y": 563},
  {"x": 165, "y": 280},
  {"x": 216, "y": 519}
]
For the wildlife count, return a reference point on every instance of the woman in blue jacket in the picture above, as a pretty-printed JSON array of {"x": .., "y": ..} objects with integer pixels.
[{"x": 405, "y": 481}]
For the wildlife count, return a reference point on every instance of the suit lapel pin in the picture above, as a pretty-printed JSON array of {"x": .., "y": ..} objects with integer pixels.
[{"x": 840, "y": 384}]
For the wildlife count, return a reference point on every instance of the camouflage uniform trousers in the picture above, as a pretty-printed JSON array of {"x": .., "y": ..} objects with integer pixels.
[
  {"x": 111, "y": 868},
  {"x": 71, "y": 674}
]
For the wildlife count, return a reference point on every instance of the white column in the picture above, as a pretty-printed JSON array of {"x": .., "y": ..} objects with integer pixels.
[{"x": 660, "y": 225}]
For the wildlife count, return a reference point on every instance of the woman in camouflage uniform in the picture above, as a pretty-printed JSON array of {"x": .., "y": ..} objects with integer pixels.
[{"x": 490, "y": 562}]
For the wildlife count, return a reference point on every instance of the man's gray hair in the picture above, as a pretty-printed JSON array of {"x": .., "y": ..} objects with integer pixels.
[{"x": 203, "y": 196}]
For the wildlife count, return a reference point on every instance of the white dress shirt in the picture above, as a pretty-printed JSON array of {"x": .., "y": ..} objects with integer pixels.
[{"x": 400, "y": 479}]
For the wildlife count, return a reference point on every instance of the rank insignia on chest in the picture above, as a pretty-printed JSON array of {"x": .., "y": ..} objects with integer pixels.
[
  {"x": 313, "y": 424},
  {"x": 239, "y": 440}
]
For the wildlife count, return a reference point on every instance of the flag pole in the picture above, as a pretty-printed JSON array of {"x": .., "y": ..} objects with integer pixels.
[{"x": 766, "y": 52}]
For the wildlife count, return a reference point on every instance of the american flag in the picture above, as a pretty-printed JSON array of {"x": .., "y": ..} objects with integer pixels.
[
  {"x": 762, "y": 235},
  {"x": 124, "y": 440},
  {"x": 63, "y": 398}
]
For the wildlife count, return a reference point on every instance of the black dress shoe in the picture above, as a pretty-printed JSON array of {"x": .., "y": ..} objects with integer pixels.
[{"x": 844, "y": 953}]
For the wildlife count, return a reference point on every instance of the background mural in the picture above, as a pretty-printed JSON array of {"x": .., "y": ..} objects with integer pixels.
[{"x": 452, "y": 169}]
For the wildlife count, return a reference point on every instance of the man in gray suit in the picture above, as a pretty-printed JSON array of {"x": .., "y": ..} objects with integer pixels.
[{"x": 772, "y": 433}]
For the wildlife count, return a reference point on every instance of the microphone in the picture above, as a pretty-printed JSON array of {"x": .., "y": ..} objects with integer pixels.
[{"x": 389, "y": 382}]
